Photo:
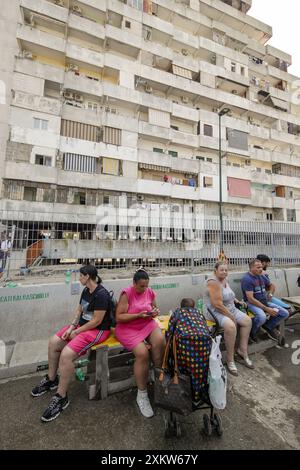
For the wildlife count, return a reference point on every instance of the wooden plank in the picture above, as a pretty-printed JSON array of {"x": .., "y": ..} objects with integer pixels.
[{"x": 102, "y": 372}]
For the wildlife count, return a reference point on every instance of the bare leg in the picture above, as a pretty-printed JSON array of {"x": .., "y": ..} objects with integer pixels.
[
  {"x": 245, "y": 328},
  {"x": 157, "y": 341},
  {"x": 55, "y": 347},
  {"x": 230, "y": 337},
  {"x": 141, "y": 366},
  {"x": 66, "y": 369}
]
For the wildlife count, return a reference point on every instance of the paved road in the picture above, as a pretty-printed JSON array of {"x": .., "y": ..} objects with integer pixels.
[{"x": 263, "y": 413}]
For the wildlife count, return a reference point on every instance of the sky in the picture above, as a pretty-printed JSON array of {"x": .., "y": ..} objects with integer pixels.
[{"x": 284, "y": 17}]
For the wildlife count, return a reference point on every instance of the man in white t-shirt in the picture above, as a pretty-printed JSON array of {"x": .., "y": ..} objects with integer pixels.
[{"x": 4, "y": 250}]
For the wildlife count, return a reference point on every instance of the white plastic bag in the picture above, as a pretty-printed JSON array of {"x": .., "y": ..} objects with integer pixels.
[{"x": 217, "y": 376}]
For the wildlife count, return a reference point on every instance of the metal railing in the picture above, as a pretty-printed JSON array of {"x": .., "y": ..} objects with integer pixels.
[{"x": 52, "y": 243}]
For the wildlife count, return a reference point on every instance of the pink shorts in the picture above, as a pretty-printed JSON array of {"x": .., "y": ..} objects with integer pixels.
[{"x": 84, "y": 341}]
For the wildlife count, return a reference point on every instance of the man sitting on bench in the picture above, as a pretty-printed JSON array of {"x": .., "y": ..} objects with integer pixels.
[
  {"x": 266, "y": 314},
  {"x": 265, "y": 261}
]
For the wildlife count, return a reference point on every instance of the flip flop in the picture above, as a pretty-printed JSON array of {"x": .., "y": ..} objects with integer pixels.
[{"x": 245, "y": 361}]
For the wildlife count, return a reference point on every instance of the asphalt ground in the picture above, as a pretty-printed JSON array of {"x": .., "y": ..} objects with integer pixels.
[{"x": 263, "y": 412}]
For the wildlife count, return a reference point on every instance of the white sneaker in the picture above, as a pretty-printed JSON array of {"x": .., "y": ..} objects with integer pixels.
[{"x": 144, "y": 405}]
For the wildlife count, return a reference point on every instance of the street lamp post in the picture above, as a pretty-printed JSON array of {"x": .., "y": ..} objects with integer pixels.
[{"x": 222, "y": 113}]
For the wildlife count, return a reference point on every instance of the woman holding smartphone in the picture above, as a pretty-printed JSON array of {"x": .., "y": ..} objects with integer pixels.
[{"x": 135, "y": 315}]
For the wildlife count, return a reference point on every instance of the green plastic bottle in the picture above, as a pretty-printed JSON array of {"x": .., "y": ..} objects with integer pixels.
[
  {"x": 68, "y": 277},
  {"x": 80, "y": 375},
  {"x": 200, "y": 305}
]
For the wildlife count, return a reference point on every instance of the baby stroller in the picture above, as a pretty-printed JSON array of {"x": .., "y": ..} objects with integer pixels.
[{"x": 186, "y": 362}]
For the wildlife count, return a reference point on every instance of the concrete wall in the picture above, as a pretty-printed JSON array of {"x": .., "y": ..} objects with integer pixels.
[{"x": 32, "y": 313}]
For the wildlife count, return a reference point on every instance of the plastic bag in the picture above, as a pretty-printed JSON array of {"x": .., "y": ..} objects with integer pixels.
[{"x": 217, "y": 376}]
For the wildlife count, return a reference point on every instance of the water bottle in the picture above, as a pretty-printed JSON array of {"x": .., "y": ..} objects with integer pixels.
[
  {"x": 200, "y": 305},
  {"x": 68, "y": 277},
  {"x": 80, "y": 375}
]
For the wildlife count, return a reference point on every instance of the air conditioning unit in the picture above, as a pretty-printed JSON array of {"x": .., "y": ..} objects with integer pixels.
[
  {"x": 68, "y": 95},
  {"x": 234, "y": 92},
  {"x": 78, "y": 98},
  {"x": 213, "y": 59},
  {"x": 251, "y": 119},
  {"x": 215, "y": 110},
  {"x": 140, "y": 197},
  {"x": 73, "y": 68},
  {"x": 27, "y": 55},
  {"x": 184, "y": 52},
  {"x": 185, "y": 99},
  {"x": 148, "y": 89},
  {"x": 248, "y": 162},
  {"x": 60, "y": 3},
  {"x": 77, "y": 9}
]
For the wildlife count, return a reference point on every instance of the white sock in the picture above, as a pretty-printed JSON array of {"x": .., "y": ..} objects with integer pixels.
[{"x": 142, "y": 393}]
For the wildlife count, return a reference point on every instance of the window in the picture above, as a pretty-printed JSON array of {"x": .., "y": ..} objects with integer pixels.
[
  {"x": 268, "y": 172},
  {"x": 40, "y": 124},
  {"x": 269, "y": 216},
  {"x": 173, "y": 154},
  {"x": 93, "y": 106},
  {"x": 176, "y": 128},
  {"x": 237, "y": 139},
  {"x": 243, "y": 71},
  {"x": 127, "y": 24},
  {"x": 233, "y": 67},
  {"x": 201, "y": 159},
  {"x": 29, "y": 194},
  {"x": 43, "y": 160},
  {"x": 80, "y": 199},
  {"x": 157, "y": 150},
  {"x": 81, "y": 163},
  {"x": 112, "y": 135},
  {"x": 105, "y": 200},
  {"x": 208, "y": 130},
  {"x": 258, "y": 170},
  {"x": 209, "y": 160},
  {"x": 110, "y": 166},
  {"x": 208, "y": 182}
]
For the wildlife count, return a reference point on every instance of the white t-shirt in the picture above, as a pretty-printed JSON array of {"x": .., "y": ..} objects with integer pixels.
[{"x": 5, "y": 245}]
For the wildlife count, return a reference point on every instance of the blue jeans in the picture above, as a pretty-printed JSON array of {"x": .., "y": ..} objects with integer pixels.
[
  {"x": 260, "y": 317},
  {"x": 279, "y": 303}
]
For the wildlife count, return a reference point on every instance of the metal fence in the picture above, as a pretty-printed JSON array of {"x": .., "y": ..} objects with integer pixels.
[{"x": 51, "y": 243}]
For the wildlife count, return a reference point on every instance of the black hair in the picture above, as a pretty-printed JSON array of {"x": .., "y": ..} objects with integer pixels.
[
  {"x": 90, "y": 270},
  {"x": 139, "y": 275},
  {"x": 187, "y": 303},
  {"x": 263, "y": 258}
]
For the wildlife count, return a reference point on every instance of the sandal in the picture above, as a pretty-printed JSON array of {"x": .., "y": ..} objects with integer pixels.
[
  {"x": 245, "y": 361},
  {"x": 232, "y": 368}
]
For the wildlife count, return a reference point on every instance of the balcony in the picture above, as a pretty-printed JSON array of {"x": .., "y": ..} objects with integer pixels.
[
  {"x": 46, "y": 8},
  {"x": 282, "y": 203},
  {"x": 82, "y": 54},
  {"x": 83, "y": 84},
  {"x": 40, "y": 38},
  {"x": 37, "y": 103},
  {"x": 39, "y": 70},
  {"x": 161, "y": 134},
  {"x": 87, "y": 26}
]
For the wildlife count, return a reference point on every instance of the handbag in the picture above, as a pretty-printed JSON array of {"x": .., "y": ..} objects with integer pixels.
[{"x": 172, "y": 393}]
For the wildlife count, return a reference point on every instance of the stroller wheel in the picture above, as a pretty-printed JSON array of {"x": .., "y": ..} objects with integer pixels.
[
  {"x": 172, "y": 427},
  {"x": 217, "y": 422},
  {"x": 207, "y": 425}
]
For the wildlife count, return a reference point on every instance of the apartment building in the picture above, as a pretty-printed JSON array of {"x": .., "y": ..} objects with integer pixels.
[{"x": 107, "y": 102}]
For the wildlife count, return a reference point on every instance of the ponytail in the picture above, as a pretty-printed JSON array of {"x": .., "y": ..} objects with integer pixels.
[{"x": 91, "y": 271}]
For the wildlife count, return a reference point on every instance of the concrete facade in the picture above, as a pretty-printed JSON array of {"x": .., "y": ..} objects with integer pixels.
[{"x": 137, "y": 86}]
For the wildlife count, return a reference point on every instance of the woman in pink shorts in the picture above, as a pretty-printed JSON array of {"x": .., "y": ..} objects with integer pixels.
[
  {"x": 135, "y": 324},
  {"x": 90, "y": 326}
]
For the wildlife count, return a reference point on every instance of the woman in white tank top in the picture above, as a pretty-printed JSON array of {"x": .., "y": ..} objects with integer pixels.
[{"x": 219, "y": 301}]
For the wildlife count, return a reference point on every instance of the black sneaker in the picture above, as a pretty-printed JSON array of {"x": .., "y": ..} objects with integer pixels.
[
  {"x": 44, "y": 386},
  {"x": 274, "y": 335},
  {"x": 56, "y": 406}
]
